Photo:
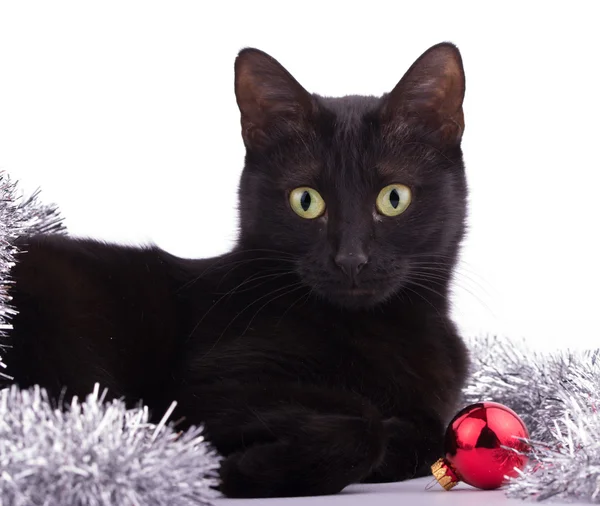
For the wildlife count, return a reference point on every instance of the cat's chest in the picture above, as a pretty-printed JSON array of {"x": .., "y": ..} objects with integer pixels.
[
  {"x": 381, "y": 358},
  {"x": 383, "y": 362},
  {"x": 391, "y": 357}
]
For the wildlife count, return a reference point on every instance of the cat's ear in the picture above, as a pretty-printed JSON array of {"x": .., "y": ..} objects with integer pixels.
[
  {"x": 431, "y": 93},
  {"x": 272, "y": 103}
]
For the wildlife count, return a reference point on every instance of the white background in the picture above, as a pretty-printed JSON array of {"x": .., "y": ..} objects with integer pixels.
[{"x": 124, "y": 114}]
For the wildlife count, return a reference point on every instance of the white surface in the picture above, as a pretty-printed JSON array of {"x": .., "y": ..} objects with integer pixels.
[
  {"x": 124, "y": 113},
  {"x": 407, "y": 493}
]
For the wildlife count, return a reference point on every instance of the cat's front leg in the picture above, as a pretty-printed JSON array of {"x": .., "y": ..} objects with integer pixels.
[
  {"x": 319, "y": 453},
  {"x": 415, "y": 442},
  {"x": 289, "y": 440}
]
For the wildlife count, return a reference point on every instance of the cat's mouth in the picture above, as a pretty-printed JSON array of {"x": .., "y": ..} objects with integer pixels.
[
  {"x": 356, "y": 297},
  {"x": 358, "y": 292},
  {"x": 362, "y": 293}
]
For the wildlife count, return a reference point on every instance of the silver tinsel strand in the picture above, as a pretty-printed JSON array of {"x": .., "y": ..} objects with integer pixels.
[
  {"x": 19, "y": 217},
  {"x": 557, "y": 394},
  {"x": 97, "y": 453}
]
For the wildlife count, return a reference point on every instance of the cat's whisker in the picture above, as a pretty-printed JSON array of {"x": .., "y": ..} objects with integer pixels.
[
  {"x": 456, "y": 275},
  {"x": 216, "y": 265},
  {"x": 272, "y": 292},
  {"x": 305, "y": 296},
  {"x": 442, "y": 262},
  {"x": 459, "y": 261},
  {"x": 441, "y": 278},
  {"x": 258, "y": 271},
  {"x": 282, "y": 255},
  {"x": 246, "y": 261},
  {"x": 433, "y": 271},
  {"x": 425, "y": 287},
  {"x": 229, "y": 292},
  {"x": 422, "y": 277},
  {"x": 269, "y": 302},
  {"x": 256, "y": 277},
  {"x": 461, "y": 264},
  {"x": 257, "y": 250},
  {"x": 243, "y": 311},
  {"x": 422, "y": 297}
]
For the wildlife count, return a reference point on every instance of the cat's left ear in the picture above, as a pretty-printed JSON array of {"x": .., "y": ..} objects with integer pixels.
[
  {"x": 272, "y": 103},
  {"x": 431, "y": 93}
]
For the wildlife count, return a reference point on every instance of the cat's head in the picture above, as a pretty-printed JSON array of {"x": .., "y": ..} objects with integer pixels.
[{"x": 368, "y": 193}]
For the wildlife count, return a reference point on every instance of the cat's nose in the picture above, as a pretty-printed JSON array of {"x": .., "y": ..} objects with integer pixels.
[{"x": 351, "y": 262}]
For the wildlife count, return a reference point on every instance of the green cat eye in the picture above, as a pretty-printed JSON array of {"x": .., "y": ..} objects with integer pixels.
[
  {"x": 307, "y": 203},
  {"x": 393, "y": 199}
]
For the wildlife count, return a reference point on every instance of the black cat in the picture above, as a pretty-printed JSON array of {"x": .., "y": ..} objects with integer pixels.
[{"x": 320, "y": 351}]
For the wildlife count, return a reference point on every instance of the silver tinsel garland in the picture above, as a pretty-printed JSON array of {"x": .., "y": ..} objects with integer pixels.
[
  {"x": 557, "y": 394},
  {"x": 90, "y": 453},
  {"x": 97, "y": 453}
]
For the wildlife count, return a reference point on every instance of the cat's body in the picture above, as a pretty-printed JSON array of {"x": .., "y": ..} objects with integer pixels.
[{"x": 320, "y": 351}]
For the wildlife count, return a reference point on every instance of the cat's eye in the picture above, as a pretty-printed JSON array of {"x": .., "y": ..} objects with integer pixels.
[
  {"x": 307, "y": 203},
  {"x": 393, "y": 200}
]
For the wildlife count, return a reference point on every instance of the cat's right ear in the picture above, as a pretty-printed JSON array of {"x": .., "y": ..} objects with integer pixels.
[{"x": 272, "y": 103}]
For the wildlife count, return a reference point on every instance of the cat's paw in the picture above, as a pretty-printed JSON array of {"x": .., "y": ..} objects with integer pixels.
[
  {"x": 412, "y": 448},
  {"x": 234, "y": 483},
  {"x": 318, "y": 457},
  {"x": 272, "y": 470}
]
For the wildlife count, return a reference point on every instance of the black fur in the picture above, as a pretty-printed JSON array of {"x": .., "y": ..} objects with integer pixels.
[{"x": 310, "y": 370}]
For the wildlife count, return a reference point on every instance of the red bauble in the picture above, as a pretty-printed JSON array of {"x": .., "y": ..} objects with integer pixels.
[{"x": 482, "y": 447}]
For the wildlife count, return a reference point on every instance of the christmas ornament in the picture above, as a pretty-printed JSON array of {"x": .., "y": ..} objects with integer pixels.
[{"x": 483, "y": 445}]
